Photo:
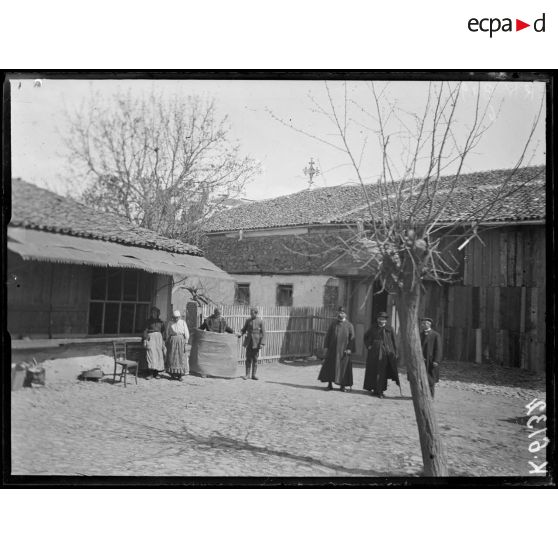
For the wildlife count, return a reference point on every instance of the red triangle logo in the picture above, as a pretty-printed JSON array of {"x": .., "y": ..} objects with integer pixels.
[{"x": 519, "y": 25}]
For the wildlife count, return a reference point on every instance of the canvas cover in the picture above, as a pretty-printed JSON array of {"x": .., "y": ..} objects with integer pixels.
[
  {"x": 62, "y": 248},
  {"x": 214, "y": 354}
]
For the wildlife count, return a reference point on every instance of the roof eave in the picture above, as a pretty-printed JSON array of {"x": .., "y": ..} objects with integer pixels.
[{"x": 508, "y": 222}]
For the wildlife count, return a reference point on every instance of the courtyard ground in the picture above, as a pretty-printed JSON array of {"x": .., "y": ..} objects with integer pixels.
[{"x": 285, "y": 424}]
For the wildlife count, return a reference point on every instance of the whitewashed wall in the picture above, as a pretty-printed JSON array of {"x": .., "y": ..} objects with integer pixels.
[{"x": 308, "y": 290}]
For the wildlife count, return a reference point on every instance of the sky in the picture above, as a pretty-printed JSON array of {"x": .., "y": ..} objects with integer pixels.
[{"x": 255, "y": 109}]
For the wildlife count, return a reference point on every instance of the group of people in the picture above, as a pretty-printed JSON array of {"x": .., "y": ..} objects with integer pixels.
[
  {"x": 381, "y": 361},
  {"x": 166, "y": 349},
  {"x": 166, "y": 344},
  {"x": 255, "y": 337}
]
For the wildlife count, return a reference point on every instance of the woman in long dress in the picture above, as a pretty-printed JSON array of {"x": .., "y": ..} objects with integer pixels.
[
  {"x": 177, "y": 335},
  {"x": 155, "y": 351}
]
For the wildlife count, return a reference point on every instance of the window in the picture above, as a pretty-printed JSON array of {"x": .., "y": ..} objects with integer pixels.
[
  {"x": 284, "y": 295},
  {"x": 120, "y": 301},
  {"x": 242, "y": 294}
]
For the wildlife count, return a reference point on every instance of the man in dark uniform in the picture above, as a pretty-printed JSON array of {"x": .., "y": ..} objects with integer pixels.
[
  {"x": 431, "y": 351},
  {"x": 216, "y": 323},
  {"x": 339, "y": 344},
  {"x": 381, "y": 361},
  {"x": 255, "y": 337}
]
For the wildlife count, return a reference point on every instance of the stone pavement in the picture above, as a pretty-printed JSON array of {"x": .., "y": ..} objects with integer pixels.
[{"x": 285, "y": 424}]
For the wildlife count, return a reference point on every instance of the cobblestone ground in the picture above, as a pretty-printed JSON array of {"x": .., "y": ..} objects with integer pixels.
[{"x": 285, "y": 424}]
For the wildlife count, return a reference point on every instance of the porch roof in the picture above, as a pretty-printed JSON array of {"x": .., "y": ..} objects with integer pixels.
[{"x": 38, "y": 245}]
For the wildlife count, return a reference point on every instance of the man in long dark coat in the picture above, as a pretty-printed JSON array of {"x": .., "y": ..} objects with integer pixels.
[
  {"x": 339, "y": 343},
  {"x": 431, "y": 351},
  {"x": 381, "y": 362},
  {"x": 255, "y": 337}
]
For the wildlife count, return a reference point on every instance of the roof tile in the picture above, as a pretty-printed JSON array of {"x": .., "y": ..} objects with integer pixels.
[
  {"x": 37, "y": 208},
  {"x": 348, "y": 202}
]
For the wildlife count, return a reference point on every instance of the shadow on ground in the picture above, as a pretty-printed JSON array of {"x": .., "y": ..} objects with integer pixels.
[
  {"x": 491, "y": 375},
  {"x": 300, "y": 363},
  {"x": 517, "y": 420},
  {"x": 347, "y": 391},
  {"x": 217, "y": 441}
]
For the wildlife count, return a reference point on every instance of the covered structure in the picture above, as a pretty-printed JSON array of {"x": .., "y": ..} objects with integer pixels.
[{"x": 84, "y": 277}]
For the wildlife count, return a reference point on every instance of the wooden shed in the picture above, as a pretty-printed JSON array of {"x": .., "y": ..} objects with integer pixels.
[
  {"x": 494, "y": 311},
  {"x": 497, "y": 313},
  {"x": 84, "y": 277}
]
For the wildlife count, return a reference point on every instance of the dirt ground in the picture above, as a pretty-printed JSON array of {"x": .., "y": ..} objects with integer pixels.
[{"x": 285, "y": 424}]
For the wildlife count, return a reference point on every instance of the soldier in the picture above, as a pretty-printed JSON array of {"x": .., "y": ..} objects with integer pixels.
[
  {"x": 255, "y": 336},
  {"x": 431, "y": 351}
]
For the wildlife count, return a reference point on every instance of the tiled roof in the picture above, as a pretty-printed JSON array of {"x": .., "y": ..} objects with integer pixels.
[
  {"x": 347, "y": 203},
  {"x": 37, "y": 208},
  {"x": 524, "y": 203}
]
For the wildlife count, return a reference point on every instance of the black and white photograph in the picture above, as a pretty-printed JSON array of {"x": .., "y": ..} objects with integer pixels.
[{"x": 278, "y": 279}]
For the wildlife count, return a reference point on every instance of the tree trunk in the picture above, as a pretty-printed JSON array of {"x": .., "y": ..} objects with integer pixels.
[{"x": 433, "y": 453}]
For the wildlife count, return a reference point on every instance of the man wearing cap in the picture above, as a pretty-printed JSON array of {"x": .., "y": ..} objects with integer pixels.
[
  {"x": 381, "y": 361},
  {"x": 255, "y": 336},
  {"x": 431, "y": 343},
  {"x": 216, "y": 323},
  {"x": 339, "y": 344}
]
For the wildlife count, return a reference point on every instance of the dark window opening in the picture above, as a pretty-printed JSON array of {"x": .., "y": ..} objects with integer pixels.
[
  {"x": 242, "y": 294},
  {"x": 331, "y": 296},
  {"x": 120, "y": 301},
  {"x": 99, "y": 284},
  {"x": 284, "y": 295}
]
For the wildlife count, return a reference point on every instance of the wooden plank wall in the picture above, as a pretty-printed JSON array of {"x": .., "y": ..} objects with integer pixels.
[
  {"x": 498, "y": 314},
  {"x": 290, "y": 331},
  {"x": 45, "y": 298}
]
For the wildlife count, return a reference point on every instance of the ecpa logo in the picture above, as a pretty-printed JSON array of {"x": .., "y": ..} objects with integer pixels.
[{"x": 494, "y": 24}]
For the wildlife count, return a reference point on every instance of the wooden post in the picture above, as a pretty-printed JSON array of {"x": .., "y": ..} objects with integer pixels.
[
  {"x": 50, "y": 305},
  {"x": 478, "y": 346},
  {"x": 522, "y": 336},
  {"x": 312, "y": 312}
]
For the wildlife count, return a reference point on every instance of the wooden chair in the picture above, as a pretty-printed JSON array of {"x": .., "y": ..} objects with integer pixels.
[{"x": 119, "y": 351}]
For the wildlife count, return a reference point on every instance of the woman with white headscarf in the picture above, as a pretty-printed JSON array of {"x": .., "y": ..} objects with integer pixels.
[{"x": 177, "y": 336}]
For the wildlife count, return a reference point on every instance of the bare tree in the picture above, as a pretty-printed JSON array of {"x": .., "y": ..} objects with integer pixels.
[
  {"x": 414, "y": 216},
  {"x": 165, "y": 164}
]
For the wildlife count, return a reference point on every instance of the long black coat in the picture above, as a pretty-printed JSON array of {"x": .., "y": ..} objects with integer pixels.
[
  {"x": 432, "y": 352},
  {"x": 381, "y": 361},
  {"x": 338, "y": 366}
]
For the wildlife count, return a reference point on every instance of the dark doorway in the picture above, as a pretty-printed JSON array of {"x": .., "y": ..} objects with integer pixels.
[
  {"x": 379, "y": 301},
  {"x": 364, "y": 303}
]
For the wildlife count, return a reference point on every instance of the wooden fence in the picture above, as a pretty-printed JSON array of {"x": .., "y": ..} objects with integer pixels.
[{"x": 291, "y": 332}]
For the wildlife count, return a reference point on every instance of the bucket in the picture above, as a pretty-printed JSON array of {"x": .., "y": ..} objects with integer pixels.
[{"x": 34, "y": 374}]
